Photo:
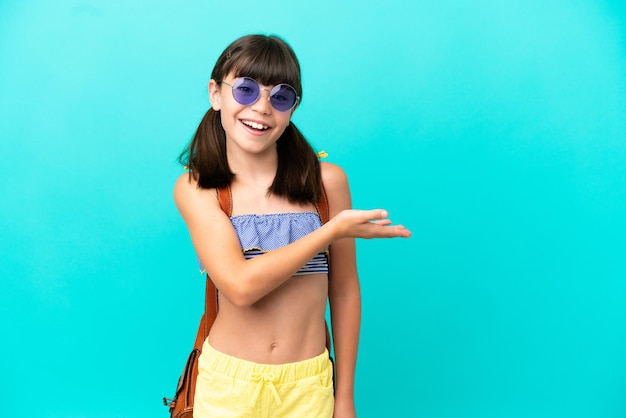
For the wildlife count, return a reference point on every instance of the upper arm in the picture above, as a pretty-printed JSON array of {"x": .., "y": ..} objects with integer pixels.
[
  {"x": 212, "y": 234},
  {"x": 337, "y": 189},
  {"x": 342, "y": 252}
]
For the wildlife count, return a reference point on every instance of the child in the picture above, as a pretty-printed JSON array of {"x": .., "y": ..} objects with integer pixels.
[{"x": 273, "y": 262}]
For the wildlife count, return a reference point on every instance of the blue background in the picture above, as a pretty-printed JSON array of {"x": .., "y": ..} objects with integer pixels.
[{"x": 494, "y": 130}]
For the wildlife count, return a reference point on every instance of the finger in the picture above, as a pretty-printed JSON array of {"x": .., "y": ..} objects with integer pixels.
[
  {"x": 402, "y": 231},
  {"x": 375, "y": 214},
  {"x": 394, "y": 231}
]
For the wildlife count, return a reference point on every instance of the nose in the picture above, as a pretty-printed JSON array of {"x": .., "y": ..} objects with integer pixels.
[{"x": 263, "y": 104}]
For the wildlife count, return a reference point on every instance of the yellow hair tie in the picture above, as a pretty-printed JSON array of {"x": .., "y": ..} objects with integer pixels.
[{"x": 322, "y": 154}]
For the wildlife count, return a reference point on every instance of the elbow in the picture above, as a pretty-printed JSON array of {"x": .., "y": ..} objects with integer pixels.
[
  {"x": 242, "y": 300},
  {"x": 244, "y": 291},
  {"x": 240, "y": 296}
]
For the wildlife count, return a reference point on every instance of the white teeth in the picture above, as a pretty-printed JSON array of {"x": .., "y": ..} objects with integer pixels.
[{"x": 254, "y": 125}]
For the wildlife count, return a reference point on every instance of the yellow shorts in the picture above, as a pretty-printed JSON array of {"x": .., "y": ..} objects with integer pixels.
[{"x": 232, "y": 387}]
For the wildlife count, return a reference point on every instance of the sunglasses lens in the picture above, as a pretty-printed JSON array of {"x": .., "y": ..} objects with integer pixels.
[
  {"x": 245, "y": 91},
  {"x": 283, "y": 97}
]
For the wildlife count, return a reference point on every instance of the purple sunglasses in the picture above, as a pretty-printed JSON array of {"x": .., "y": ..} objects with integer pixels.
[{"x": 247, "y": 91}]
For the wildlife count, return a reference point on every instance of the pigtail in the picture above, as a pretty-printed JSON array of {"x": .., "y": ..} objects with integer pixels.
[
  {"x": 205, "y": 156},
  {"x": 298, "y": 176}
]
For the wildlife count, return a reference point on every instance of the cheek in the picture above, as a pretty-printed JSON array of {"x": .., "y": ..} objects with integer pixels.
[
  {"x": 283, "y": 119},
  {"x": 227, "y": 118},
  {"x": 229, "y": 109},
  {"x": 282, "y": 127}
]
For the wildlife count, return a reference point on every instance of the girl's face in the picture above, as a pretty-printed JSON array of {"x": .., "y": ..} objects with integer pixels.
[{"x": 253, "y": 128}]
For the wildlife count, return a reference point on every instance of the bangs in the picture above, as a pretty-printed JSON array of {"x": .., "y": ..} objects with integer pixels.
[{"x": 268, "y": 60}]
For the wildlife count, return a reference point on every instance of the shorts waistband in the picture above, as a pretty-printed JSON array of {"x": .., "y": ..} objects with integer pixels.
[{"x": 242, "y": 369}]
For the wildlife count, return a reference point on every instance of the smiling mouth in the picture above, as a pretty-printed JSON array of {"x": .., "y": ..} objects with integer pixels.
[{"x": 254, "y": 125}]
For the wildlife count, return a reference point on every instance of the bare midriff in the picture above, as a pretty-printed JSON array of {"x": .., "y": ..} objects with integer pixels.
[{"x": 285, "y": 326}]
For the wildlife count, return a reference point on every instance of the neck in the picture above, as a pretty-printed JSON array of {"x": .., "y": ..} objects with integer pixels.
[{"x": 253, "y": 169}]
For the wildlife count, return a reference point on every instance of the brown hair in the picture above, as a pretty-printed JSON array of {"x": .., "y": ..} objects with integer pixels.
[{"x": 270, "y": 61}]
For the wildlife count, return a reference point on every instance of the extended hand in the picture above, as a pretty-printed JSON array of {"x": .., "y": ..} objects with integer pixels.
[{"x": 368, "y": 224}]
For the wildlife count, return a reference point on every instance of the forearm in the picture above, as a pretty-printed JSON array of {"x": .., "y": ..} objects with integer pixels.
[
  {"x": 346, "y": 323},
  {"x": 247, "y": 281}
]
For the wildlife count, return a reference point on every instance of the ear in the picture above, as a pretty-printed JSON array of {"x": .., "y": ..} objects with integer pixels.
[{"x": 215, "y": 97}]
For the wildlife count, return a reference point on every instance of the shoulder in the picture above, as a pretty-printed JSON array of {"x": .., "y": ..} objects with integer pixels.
[
  {"x": 336, "y": 185},
  {"x": 188, "y": 195},
  {"x": 333, "y": 177},
  {"x": 184, "y": 187}
]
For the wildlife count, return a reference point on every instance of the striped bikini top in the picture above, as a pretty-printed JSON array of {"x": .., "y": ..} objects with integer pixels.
[{"x": 259, "y": 234}]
